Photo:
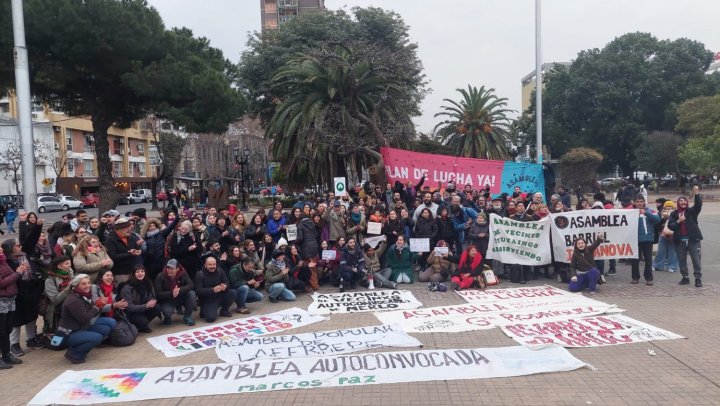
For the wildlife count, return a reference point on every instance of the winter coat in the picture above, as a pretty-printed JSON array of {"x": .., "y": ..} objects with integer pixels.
[
  {"x": 77, "y": 313},
  {"x": 205, "y": 281},
  {"x": 691, "y": 221},
  {"x": 459, "y": 221},
  {"x": 137, "y": 299},
  {"x": 426, "y": 228},
  {"x": 8, "y": 280},
  {"x": 155, "y": 244},
  {"x": 255, "y": 232},
  {"x": 180, "y": 250},
  {"x": 336, "y": 223},
  {"x": 273, "y": 227},
  {"x": 440, "y": 264},
  {"x": 400, "y": 262},
  {"x": 356, "y": 230},
  {"x": 55, "y": 296},
  {"x": 392, "y": 229},
  {"x": 273, "y": 274},
  {"x": 307, "y": 239},
  {"x": 352, "y": 259},
  {"x": 473, "y": 236},
  {"x": 123, "y": 261},
  {"x": 446, "y": 230},
  {"x": 373, "y": 263},
  {"x": 90, "y": 263},
  {"x": 163, "y": 289},
  {"x": 646, "y": 228}
]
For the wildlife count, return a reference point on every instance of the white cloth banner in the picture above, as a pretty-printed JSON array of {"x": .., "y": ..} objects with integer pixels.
[
  {"x": 126, "y": 385},
  {"x": 519, "y": 242},
  {"x": 367, "y": 301},
  {"x": 314, "y": 344},
  {"x": 587, "y": 332},
  {"x": 340, "y": 186},
  {"x": 477, "y": 316},
  {"x": 528, "y": 297},
  {"x": 203, "y": 338},
  {"x": 619, "y": 226}
]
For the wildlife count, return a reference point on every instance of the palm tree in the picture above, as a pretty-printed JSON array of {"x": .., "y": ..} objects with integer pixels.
[
  {"x": 476, "y": 127},
  {"x": 334, "y": 109}
]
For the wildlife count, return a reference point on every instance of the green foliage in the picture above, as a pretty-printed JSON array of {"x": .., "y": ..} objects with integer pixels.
[
  {"x": 476, "y": 127},
  {"x": 331, "y": 87},
  {"x": 579, "y": 166},
  {"x": 659, "y": 152},
  {"x": 609, "y": 98},
  {"x": 115, "y": 62},
  {"x": 699, "y": 116},
  {"x": 430, "y": 145},
  {"x": 702, "y": 154}
]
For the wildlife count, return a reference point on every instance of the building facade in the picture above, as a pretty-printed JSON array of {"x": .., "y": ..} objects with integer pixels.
[
  {"x": 274, "y": 13},
  {"x": 528, "y": 83}
]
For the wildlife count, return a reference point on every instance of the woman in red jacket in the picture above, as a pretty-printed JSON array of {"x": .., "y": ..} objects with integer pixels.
[
  {"x": 469, "y": 270},
  {"x": 8, "y": 291}
]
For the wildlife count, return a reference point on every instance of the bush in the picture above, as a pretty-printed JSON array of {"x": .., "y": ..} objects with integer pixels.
[{"x": 579, "y": 166}]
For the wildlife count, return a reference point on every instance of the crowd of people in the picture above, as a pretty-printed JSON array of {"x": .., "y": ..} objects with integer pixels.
[{"x": 106, "y": 279}]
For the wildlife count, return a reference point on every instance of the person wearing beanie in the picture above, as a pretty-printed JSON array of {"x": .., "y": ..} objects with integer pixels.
[
  {"x": 77, "y": 329},
  {"x": 174, "y": 290},
  {"x": 666, "y": 258},
  {"x": 687, "y": 236}
]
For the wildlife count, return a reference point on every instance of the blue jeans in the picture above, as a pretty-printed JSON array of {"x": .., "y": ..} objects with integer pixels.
[
  {"x": 585, "y": 280},
  {"x": 247, "y": 295},
  {"x": 666, "y": 257},
  {"x": 10, "y": 228},
  {"x": 81, "y": 342},
  {"x": 279, "y": 291},
  {"x": 685, "y": 247}
]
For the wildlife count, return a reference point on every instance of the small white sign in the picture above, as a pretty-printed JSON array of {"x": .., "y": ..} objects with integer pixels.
[
  {"x": 442, "y": 250},
  {"x": 328, "y": 255},
  {"x": 340, "y": 187},
  {"x": 374, "y": 228},
  {"x": 291, "y": 231},
  {"x": 419, "y": 245}
]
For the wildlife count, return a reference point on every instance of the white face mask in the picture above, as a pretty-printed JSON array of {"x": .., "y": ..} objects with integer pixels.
[{"x": 497, "y": 206}]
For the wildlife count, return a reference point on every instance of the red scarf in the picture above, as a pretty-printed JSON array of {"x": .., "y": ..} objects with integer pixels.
[
  {"x": 475, "y": 261},
  {"x": 108, "y": 293},
  {"x": 683, "y": 226}
]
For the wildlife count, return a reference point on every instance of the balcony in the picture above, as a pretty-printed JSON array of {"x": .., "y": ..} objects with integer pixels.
[{"x": 287, "y": 4}]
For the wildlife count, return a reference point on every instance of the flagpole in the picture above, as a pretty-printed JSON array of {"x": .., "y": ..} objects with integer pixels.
[{"x": 538, "y": 82}]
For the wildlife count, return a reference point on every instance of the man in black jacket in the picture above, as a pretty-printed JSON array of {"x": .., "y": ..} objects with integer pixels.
[
  {"x": 687, "y": 236},
  {"x": 213, "y": 289},
  {"x": 174, "y": 290},
  {"x": 123, "y": 247}
]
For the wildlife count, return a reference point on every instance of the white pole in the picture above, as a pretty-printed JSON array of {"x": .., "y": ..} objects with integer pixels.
[
  {"x": 538, "y": 82},
  {"x": 22, "y": 90}
]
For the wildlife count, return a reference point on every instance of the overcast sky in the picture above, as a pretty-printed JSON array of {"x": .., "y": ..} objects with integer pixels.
[{"x": 478, "y": 42}]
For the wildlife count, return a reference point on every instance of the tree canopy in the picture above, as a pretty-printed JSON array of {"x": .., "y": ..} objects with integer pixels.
[
  {"x": 699, "y": 116},
  {"x": 608, "y": 98},
  {"x": 333, "y": 84},
  {"x": 115, "y": 62}
]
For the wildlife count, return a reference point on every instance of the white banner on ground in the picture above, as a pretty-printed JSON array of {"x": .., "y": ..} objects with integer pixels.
[
  {"x": 366, "y": 301},
  {"x": 126, "y": 385},
  {"x": 340, "y": 186},
  {"x": 469, "y": 317},
  {"x": 619, "y": 227},
  {"x": 203, "y": 338},
  {"x": 587, "y": 332},
  {"x": 315, "y": 344},
  {"x": 526, "y": 295},
  {"x": 519, "y": 242}
]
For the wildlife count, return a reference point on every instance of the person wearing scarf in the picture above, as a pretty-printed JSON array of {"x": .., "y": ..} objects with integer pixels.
[
  {"x": 687, "y": 236},
  {"x": 57, "y": 288},
  {"x": 440, "y": 265},
  {"x": 140, "y": 295},
  {"x": 79, "y": 320},
  {"x": 399, "y": 258},
  {"x": 276, "y": 278},
  {"x": 174, "y": 290},
  {"x": 356, "y": 224},
  {"x": 469, "y": 270}
]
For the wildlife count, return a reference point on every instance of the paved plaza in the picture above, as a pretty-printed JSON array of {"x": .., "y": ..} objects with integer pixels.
[{"x": 682, "y": 372}]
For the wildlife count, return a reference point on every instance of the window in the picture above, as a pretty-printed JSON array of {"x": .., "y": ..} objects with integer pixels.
[
  {"x": 140, "y": 170},
  {"x": 141, "y": 149},
  {"x": 88, "y": 145},
  {"x": 88, "y": 168},
  {"x": 71, "y": 167},
  {"x": 117, "y": 169},
  {"x": 118, "y": 146},
  {"x": 69, "y": 139}
]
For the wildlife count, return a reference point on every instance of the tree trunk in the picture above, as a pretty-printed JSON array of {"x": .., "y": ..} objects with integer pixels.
[
  {"x": 109, "y": 195},
  {"x": 377, "y": 171},
  {"x": 153, "y": 191}
]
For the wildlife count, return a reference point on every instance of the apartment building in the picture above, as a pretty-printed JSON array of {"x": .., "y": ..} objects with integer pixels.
[{"x": 274, "y": 13}]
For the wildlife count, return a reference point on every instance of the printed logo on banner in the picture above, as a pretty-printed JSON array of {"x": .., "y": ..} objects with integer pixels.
[{"x": 105, "y": 386}]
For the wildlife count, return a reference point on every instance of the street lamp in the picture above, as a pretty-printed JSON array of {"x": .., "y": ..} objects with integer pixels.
[{"x": 242, "y": 163}]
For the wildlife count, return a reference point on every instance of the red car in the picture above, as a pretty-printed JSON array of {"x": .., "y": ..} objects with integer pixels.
[
  {"x": 90, "y": 200},
  {"x": 162, "y": 195}
]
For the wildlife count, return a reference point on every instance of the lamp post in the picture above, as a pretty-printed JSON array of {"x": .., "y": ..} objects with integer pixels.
[{"x": 242, "y": 163}]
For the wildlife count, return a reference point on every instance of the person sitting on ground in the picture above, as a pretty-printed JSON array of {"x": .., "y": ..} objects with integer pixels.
[
  {"x": 246, "y": 279},
  {"x": 584, "y": 274},
  {"x": 300, "y": 270},
  {"x": 139, "y": 293},
  {"x": 57, "y": 288},
  {"x": 174, "y": 290},
  {"x": 352, "y": 265},
  {"x": 440, "y": 267},
  {"x": 277, "y": 277},
  {"x": 373, "y": 266},
  {"x": 104, "y": 286},
  {"x": 213, "y": 290},
  {"x": 399, "y": 258},
  {"x": 79, "y": 321},
  {"x": 469, "y": 271}
]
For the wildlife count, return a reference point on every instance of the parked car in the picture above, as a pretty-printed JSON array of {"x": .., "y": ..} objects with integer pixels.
[
  {"x": 48, "y": 203},
  {"x": 144, "y": 193},
  {"x": 607, "y": 182},
  {"x": 162, "y": 195},
  {"x": 91, "y": 200},
  {"x": 69, "y": 202},
  {"x": 131, "y": 198}
]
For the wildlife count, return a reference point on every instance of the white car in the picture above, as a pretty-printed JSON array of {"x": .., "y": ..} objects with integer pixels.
[
  {"x": 48, "y": 203},
  {"x": 131, "y": 198},
  {"x": 69, "y": 202}
]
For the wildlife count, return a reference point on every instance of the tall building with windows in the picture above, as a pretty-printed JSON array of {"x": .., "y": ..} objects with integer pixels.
[{"x": 273, "y": 13}]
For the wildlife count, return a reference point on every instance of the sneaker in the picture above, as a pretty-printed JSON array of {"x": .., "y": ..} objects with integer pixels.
[
  {"x": 4, "y": 365},
  {"x": 593, "y": 292},
  {"x": 272, "y": 299},
  {"x": 243, "y": 310},
  {"x": 166, "y": 321},
  {"x": 612, "y": 272},
  {"x": 72, "y": 359},
  {"x": 393, "y": 285},
  {"x": 698, "y": 283},
  {"x": 684, "y": 281},
  {"x": 672, "y": 270},
  {"x": 635, "y": 281},
  {"x": 342, "y": 288},
  {"x": 17, "y": 351},
  {"x": 188, "y": 321},
  {"x": 454, "y": 286},
  {"x": 11, "y": 359},
  {"x": 34, "y": 343},
  {"x": 649, "y": 283},
  {"x": 225, "y": 313},
  {"x": 432, "y": 286}
]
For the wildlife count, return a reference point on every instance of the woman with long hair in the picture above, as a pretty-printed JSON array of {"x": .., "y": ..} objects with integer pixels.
[
  {"x": 104, "y": 286},
  {"x": 469, "y": 270},
  {"x": 57, "y": 288},
  {"x": 90, "y": 257},
  {"x": 239, "y": 224},
  {"x": 139, "y": 293},
  {"x": 399, "y": 258},
  {"x": 393, "y": 227},
  {"x": 256, "y": 230},
  {"x": 8, "y": 294},
  {"x": 267, "y": 245}
]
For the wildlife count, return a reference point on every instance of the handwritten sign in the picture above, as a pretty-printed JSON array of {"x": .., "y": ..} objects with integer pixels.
[
  {"x": 419, "y": 245},
  {"x": 374, "y": 228},
  {"x": 329, "y": 255},
  {"x": 353, "y": 302},
  {"x": 442, "y": 250},
  {"x": 291, "y": 231}
]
